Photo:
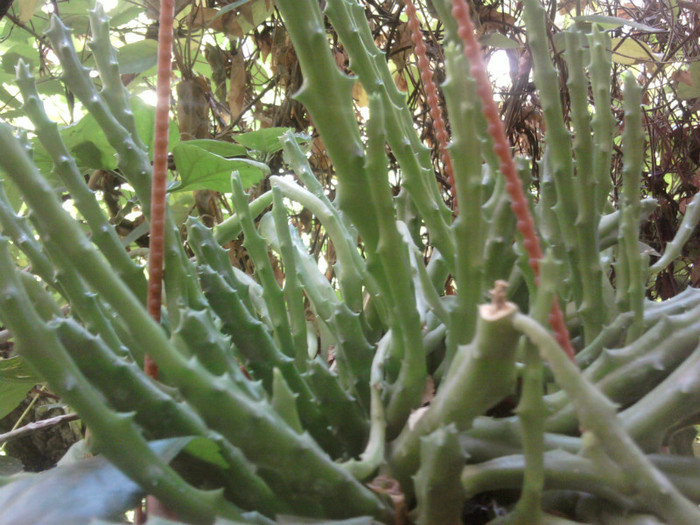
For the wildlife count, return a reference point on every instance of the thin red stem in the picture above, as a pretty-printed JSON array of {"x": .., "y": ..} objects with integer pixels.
[
  {"x": 431, "y": 91},
  {"x": 525, "y": 224},
  {"x": 160, "y": 169}
]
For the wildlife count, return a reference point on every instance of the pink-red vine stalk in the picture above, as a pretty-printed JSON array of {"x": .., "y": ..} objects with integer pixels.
[
  {"x": 158, "y": 180},
  {"x": 160, "y": 168},
  {"x": 525, "y": 223},
  {"x": 431, "y": 91}
]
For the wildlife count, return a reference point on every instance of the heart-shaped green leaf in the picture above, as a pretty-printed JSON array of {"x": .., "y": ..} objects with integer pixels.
[{"x": 200, "y": 169}]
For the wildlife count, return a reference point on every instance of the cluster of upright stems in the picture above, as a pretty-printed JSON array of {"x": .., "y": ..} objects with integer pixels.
[{"x": 293, "y": 435}]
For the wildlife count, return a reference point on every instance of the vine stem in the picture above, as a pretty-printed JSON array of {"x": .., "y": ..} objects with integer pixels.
[
  {"x": 160, "y": 169},
  {"x": 158, "y": 181},
  {"x": 432, "y": 95},
  {"x": 519, "y": 205}
]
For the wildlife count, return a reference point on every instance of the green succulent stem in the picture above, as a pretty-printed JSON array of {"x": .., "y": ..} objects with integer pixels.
[
  {"x": 629, "y": 270},
  {"x": 115, "y": 94},
  {"x": 103, "y": 233},
  {"x": 391, "y": 255},
  {"x": 350, "y": 273},
  {"x": 603, "y": 121},
  {"x": 272, "y": 293},
  {"x": 469, "y": 225},
  {"x": 231, "y": 227},
  {"x": 16, "y": 228},
  {"x": 437, "y": 481},
  {"x": 463, "y": 395},
  {"x": 134, "y": 163},
  {"x": 370, "y": 65},
  {"x": 41, "y": 346},
  {"x": 558, "y": 138},
  {"x": 598, "y": 416},
  {"x": 293, "y": 292},
  {"x": 592, "y": 307},
  {"x": 327, "y": 94}
]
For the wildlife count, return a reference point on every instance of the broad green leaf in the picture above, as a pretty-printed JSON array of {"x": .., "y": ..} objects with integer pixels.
[
  {"x": 200, "y": 169},
  {"x": 500, "y": 41},
  {"x": 612, "y": 22},
  {"x": 265, "y": 140},
  {"x": 15, "y": 369},
  {"x": 16, "y": 380},
  {"x": 50, "y": 86},
  {"x": 206, "y": 450},
  {"x": 43, "y": 163},
  {"x": 76, "y": 493},
  {"x": 137, "y": 57},
  {"x": 75, "y": 15},
  {"x": 145, "y": 116},
  {"x": 27, "y": 8},
  {"x": 181, "y": 205},
  {"x": 8, "y": 99},
  {"x": 11, "y": 395},
  {"x": 123, "y": 13},
  {"x": 627, "y": 51},
  {"x": 26, "y": 52},
  {"x": 88, "y": 144},
  {"x": 219, "y": 147},
  {"x": 12, "y": 192},
  {"x": 202, "y": 67}
]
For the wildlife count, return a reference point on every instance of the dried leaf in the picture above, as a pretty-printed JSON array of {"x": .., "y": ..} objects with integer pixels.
[
  {"x": 360, "y": 95},
  {"x": 27, "y": 8},
  {"x": 231, "y": 26},
  {"x": 400, "y": 81},
  {"x": 391, "y": 488},
  {"x": 402, "y": 46},
  {"x": 237, "y": 85},
  {"x": 340, "y": 58},
  {"x": 693, "y": 6},
  {"x": 192, "y": 109},
  {"x": 319, "y": 159},
  {"x": 283, "y": 56},
  {"x": 201, "y": 18},
  {"x": 688, "y": 81},
  {"x": 627, "y": 51},
  {"x": 264, "y": 42},
  {"x": 217, "y": 61}
]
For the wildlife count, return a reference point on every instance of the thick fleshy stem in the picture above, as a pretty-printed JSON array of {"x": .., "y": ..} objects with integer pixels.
[
  {"x": 431, "y": 91},
  {"x": 160, "y": 168},
  {"x": 525, "y": 224}
]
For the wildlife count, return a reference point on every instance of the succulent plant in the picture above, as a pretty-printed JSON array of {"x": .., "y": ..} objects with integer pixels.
[{"x": 248, "y": 422}]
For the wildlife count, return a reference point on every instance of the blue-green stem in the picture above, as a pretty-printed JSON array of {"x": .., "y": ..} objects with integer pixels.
[
  {"x": 370, "y": 64},
  {"x": 272, "y": 293},
  {"x": 41, "y": 347},
  {"x": 629, "y": 270},
  {"x": 293, "y": 293},
  {"x": 598, "y": 415},
  {"x": 592, "y": 307},
  {"x": 469, "y": 226},
  {"x": 603, "y": 120}
]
